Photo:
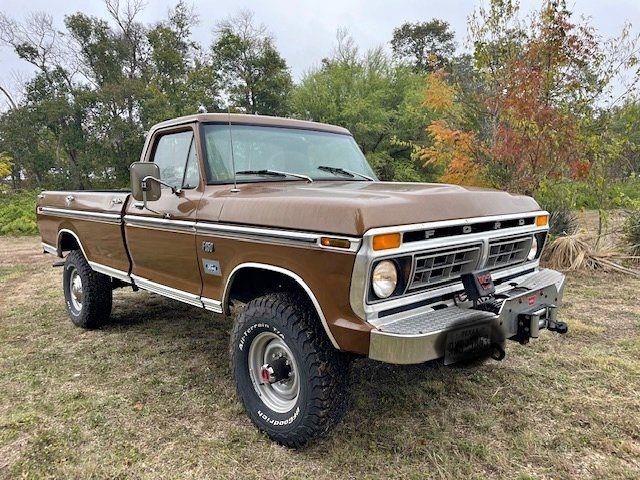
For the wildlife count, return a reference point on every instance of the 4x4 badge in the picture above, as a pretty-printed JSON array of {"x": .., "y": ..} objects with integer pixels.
[{"x": 207, "y": 247}]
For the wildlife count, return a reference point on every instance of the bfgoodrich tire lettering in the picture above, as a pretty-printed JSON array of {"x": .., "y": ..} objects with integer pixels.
[
  {"x": 92, "y": 307},
  {"x": 322, "y": 370}
]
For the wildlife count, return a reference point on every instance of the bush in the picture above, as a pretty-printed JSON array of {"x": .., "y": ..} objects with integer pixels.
[
  {"x": 632, "y": 231},
  {"x": 563, "y": 221},
  {"x": 571, "y": 194},
  {"x": 18, "y": 213}
]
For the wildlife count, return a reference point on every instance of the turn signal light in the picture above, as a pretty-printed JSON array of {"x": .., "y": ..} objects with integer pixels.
[
  {"x": 386, "y": 241},
  {"x": 335, "y": 242},
  {"x": 542, "y": 220}
]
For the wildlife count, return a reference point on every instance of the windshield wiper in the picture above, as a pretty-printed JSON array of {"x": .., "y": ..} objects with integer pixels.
[
  {"x": 344, "y": 172},
  {"x": 275, "y": 173}
]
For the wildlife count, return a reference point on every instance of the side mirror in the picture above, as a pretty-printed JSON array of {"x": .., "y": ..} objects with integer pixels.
[{"x": 141, "y": 187}]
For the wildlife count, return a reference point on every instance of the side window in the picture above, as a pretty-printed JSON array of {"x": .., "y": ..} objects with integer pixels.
[{"x": 175, "y": 155}]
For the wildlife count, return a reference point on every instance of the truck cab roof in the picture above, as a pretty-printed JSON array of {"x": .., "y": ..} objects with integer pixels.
[{"x": 245, "y": 119}]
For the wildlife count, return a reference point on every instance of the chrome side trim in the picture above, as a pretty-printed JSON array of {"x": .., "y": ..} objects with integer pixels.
[
  {"x": 98, "y": 267},
  {"x": 165, "y": 291},
  {"x": 273, "y": 235},
  {"x": 181, "y": 226},
  {"x": 366, "y": 256},
  {"x": 212, "y": 305},
  {"x": 111, "y": 272},
  {"x": 269, "y": 235},
  {"x": 236, "y": 230},
  {"x": 297, "y": 278},
  {"x": 81, "y": 214},
  {"x": 49, "y": 248}
]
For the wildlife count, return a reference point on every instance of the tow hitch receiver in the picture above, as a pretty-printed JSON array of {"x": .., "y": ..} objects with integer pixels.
[{"x": 530, "y": 323}]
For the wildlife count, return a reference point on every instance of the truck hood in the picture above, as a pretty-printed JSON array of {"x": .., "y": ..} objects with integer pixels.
[{"x": 352, "y": 208}]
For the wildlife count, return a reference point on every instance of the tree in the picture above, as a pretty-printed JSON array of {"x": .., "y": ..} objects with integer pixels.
[
  {"x": 426, "y": 46},
  {"x": 181, "y": 78},
  {"x": 113, "y": 62},
  {"x": 378, "y": 102},
  {"x": 253, "y": 72}
]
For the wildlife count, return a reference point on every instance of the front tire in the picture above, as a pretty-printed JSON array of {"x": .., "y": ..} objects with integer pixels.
[
  {"x": 290, "y": 379},
  {"x": 88, "y": 294}
]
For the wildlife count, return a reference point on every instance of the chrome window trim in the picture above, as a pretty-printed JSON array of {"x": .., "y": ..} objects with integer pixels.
[
  {"x": 366, "y": 256},
  {"x": 284, "y": 271},
  {"x": 81, "y": 214}
]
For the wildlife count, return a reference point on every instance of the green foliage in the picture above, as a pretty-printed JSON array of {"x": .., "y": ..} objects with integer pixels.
[
  {"x": 530, "y": 107},
  {"x": 256, "y": 75},
  {"x": 632, "y": 230},
  {"x": 381, "y": 104},
  {"x": 562, "y": 194},
  {"x": 18, "y": 213},
  {"x": 426, "y": 46}
]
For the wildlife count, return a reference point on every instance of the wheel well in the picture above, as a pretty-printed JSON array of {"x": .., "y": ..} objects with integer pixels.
[
  {"x": 254, "y": 280},
  {"x": 67, "y": 242},
  {"x": 251, "y": 282}
]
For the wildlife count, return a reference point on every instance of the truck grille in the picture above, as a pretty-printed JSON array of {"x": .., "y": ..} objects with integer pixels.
[
  {"x": 444, "y": 265},
  {"x": 508, "y": 251}
]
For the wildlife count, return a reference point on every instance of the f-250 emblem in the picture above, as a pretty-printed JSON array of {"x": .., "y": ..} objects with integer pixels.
[{"x": 207, "y": 247}]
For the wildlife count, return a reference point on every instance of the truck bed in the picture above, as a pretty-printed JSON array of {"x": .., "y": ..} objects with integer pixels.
[{"x": 92, "y": 219}]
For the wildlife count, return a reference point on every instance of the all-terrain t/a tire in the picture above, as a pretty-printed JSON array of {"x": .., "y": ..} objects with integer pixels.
[
  {"x": 88, "y": 294},
  {"x": 307, "y": 393}
]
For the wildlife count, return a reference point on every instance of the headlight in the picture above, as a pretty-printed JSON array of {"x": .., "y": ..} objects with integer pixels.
[
  {"x": 384, "y": 279},
  {"x": 534, "y": 249}
]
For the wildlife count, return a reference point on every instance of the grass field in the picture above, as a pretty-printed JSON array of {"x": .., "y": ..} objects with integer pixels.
[{"x": 150, "y": 396}]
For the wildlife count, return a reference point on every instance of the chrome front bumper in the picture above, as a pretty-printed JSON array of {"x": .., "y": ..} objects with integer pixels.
[{"x": 421, "y": 335}]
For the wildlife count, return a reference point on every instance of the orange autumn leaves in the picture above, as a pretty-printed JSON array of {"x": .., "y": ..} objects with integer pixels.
[
  {"x": 453, "y": 148},
  {"x": 527, "y": 139}
]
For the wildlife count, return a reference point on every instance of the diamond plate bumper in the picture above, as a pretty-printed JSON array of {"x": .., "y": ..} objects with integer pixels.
[{"x": 420, "y": 336}]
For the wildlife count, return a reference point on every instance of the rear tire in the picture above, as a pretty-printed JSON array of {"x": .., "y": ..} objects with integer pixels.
[
  {"x": 88, "y": 294},
  {"x": 313, "y": 396}
]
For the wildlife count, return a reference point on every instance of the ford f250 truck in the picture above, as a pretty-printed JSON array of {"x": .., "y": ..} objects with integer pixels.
[{"x": 283, "y": 224}]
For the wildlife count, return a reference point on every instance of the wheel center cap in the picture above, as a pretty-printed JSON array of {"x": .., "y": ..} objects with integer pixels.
[{"x": 276, "y": 371}]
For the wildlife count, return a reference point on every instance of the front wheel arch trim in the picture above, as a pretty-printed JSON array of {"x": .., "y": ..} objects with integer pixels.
[{"x": 284, "y": 271}]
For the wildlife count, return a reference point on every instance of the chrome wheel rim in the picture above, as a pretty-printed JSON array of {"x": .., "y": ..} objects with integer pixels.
[
  {"x": 75, "y": 289},
  {"x": 280, "y": 396}
]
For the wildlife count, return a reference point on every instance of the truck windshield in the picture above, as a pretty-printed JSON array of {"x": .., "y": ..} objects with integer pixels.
[{"x": 319, "y": 155}]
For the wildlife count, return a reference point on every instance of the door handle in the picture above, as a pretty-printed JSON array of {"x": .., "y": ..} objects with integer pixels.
[
  {"x": 70, "y": 198},
  {"x": 116, "y": 201}
]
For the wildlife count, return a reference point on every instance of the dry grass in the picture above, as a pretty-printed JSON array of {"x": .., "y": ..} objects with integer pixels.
[{"x": 149, "y": 396}]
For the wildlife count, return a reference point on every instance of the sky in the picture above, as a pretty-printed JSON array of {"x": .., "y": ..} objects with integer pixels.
[{"x": 305, "y": 31}]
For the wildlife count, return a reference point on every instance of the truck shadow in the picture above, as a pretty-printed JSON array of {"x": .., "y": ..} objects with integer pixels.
[{"x": 384, "y": 398}]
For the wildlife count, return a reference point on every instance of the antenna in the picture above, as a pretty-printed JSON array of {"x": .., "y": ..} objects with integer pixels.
[{"x": 233, "y": 160}]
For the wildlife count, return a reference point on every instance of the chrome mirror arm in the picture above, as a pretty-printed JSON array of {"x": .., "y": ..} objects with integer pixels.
[
  {"x": 143, "y": 184},
  {"x": 174, "y": 190}
]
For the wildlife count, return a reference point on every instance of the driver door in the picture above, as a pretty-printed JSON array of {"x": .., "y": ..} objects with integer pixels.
[{"x": 161, "y": 238}]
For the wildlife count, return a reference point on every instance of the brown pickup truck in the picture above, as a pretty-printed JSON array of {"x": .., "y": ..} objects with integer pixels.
[{"x": 283, "y": 223}]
